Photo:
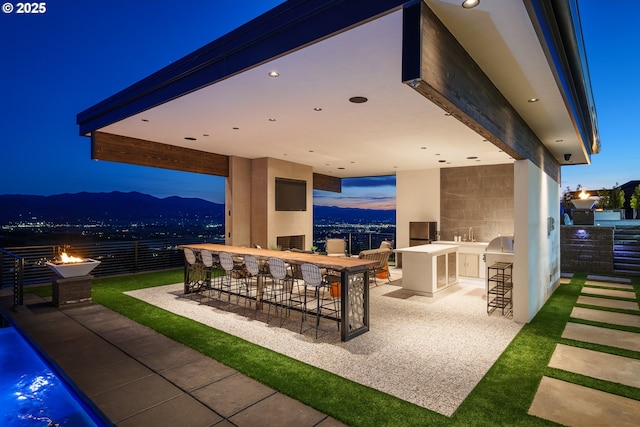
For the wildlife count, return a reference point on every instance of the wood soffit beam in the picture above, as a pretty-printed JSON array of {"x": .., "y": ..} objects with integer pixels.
[
  {"x": 124, "y": 149},
  {"x": 439, "y": 68},
  {"x": 327, "y": 183}
]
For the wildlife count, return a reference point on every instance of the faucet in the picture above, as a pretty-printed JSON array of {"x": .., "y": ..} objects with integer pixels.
[{"x": 472, "y": 238}]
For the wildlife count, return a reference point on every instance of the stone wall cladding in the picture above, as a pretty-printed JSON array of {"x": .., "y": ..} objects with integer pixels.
[
  {"x": 71, "y": 290},
  {"x": 585, "y": 248}
]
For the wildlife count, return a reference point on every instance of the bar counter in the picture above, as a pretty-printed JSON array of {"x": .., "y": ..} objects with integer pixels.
[{"x": 354, "y": 280}]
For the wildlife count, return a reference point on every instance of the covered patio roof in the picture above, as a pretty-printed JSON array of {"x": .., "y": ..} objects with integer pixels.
[{"x": 222, "y": 100}]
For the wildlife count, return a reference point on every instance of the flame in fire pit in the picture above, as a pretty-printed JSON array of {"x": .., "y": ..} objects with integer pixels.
[
  {"x": 583, "y": 195},
  {"x": 66, "y": 259}
]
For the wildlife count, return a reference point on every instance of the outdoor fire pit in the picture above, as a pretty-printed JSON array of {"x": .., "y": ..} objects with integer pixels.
[
  {"x": 74, "y": 282},
  {"x": 583, "y": 214}
]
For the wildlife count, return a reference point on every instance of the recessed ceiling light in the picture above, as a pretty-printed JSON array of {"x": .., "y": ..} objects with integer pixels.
[
  {"x": 533, "y": 100},
  {"x": 472, "y": 157},
  {"x": 145, "y": 120},
  {"x": 274, "y": 74},
  {"x": 447, "y": 114},
  {"x": 341, "y": 168},
  {"x": 423, "y": 148},
  {"x": 236, "y": 128},
  {"x": 317, "y": 109},
  {"x": 559, "y": 140},
  {"x": 441, "y": 161},
  {"x": 311, "y": 151},
  {"x": 272, "y": 120},
  {"x": 358, "y": 99},
  {"x": 470, "y": 4},
  {"x": 189, "y": 138},
  {"x": 205, "y": 134}
]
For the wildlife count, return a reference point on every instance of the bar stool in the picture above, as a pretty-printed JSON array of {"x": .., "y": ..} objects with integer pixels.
[
  {"x": 194, "y": 277},
  {"x": 230, "y": 267},
  {"x": 280, "y": 289},
  {"x": 253, "y": 269},
  {"x": 325, "y": 306},
  {"x": 208, "y": 264}
]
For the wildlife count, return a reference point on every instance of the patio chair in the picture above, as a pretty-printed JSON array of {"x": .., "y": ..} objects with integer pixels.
[{"x": 336, "y": 247}]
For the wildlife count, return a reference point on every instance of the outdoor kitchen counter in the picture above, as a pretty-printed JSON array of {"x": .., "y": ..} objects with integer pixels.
[
  {"x": 354, "y": 280},
  {"x": 428, "y": 269}
]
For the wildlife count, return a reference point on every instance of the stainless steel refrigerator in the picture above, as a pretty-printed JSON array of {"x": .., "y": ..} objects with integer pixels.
[{"x": 422, "y": 233}]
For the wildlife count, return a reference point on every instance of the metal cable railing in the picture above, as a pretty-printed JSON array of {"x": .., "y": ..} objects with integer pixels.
[
  {"x": 116, "y": 258},
  {"x": 15, "y": 271},
  {"x": 25, "y": 265}
]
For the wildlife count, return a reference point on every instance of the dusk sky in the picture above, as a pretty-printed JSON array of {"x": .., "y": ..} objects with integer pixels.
[{"x": 79, "y": 52}]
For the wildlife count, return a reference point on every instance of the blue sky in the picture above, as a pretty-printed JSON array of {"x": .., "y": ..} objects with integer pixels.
[{"x": 79, "y": 52}]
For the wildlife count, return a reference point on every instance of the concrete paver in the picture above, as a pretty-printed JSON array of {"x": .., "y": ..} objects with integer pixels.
[
  {"x": 609, "y": 284},
  {"x": 604, "y": 316},
  {"x": 263, "y": 411},
  {"x": 608, "y": 292},
  {"x": 608, "y": 302},
  {"x": 232, "y": 394},
  {"x": 577, "y": 406},
  {"x": 608, "y": 278},
  {"x": 602, "y": 336},
  {"x": 595, "y": 364},
  {"x": 191, "y": 413}
]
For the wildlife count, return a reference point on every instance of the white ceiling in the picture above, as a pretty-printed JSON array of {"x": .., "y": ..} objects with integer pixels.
[{"x": 253, "y": 115}]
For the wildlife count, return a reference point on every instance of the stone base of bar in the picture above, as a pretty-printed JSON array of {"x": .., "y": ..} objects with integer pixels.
[{"x": 71, "y": 290}]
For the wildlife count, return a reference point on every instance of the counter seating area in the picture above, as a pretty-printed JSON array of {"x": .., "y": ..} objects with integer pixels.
[{"x": 255, "y": 280}]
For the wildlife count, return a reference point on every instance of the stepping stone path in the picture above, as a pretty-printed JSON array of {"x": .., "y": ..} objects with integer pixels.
[{"x": 587, "y": 406}]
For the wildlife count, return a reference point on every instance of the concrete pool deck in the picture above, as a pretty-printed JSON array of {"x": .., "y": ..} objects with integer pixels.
[{"x": 138, "y": 377}]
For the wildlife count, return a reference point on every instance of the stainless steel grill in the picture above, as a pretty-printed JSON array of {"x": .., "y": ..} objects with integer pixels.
[{"x": 502, "y": 244}]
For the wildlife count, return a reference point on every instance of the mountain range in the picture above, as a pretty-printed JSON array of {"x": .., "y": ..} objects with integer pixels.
[{"x": 119, "y": 206}]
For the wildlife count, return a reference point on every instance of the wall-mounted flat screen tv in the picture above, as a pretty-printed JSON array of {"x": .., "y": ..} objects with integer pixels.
[{"x": 291, "y": 195}]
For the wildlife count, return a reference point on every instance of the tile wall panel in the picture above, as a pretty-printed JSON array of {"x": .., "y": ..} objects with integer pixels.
[{"x": 480, "y": 197}]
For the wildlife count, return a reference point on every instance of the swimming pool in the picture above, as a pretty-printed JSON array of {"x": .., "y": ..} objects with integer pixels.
[{"x": 31, "y": 393}]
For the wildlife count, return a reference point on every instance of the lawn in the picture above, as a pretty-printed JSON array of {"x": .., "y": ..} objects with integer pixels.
[{"x": 502, "y": 397}]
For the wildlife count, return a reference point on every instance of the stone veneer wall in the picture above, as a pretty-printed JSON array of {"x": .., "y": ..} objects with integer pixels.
[
  {"x": 586, "y": 248},
  {"x": 480, "y": 197}
]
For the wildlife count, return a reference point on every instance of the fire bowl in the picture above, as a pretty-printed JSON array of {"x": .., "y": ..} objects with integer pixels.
[
  {"x": 73, "y": 269},
  {"x": 583, "y": 203}
]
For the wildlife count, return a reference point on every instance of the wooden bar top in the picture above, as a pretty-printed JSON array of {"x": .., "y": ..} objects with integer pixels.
[{"x": 333, "y": 263}]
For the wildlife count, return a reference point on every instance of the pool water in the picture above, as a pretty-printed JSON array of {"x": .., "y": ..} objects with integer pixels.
[{"x": 31, "y": 393}]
